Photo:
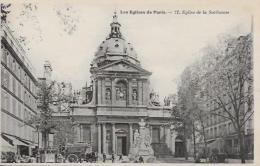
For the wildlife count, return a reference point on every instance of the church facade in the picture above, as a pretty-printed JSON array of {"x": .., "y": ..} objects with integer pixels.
[{"x": 117, "y": 99}]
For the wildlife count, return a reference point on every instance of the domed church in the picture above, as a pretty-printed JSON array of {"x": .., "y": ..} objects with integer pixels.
[{"x": 117, "y": 99}]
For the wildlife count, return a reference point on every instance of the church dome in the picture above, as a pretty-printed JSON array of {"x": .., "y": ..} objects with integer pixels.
[{"x": 115, "y": 47}]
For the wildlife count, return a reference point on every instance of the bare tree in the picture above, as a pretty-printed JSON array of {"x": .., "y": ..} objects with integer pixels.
[{"x": 230, "y": 86}]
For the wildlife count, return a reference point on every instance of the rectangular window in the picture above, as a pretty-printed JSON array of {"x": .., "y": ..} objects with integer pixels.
[
  {"x": 10, "y": 62},
  {"x": 7, "y": 102},
  {"x": 18, "y": 71},
  {"x": 86, "y": 133},
  {"x": 224, "y": 129},
  {"x": 229, "y": 127},
  {"x": 19, "y": 110},
  {"x": 19, "y": 90},
  {"x": 156, "y": 135},
  {"x": 6, "y": 79},
  {"x": 7, "y": 123},
  {"x": 14, "y": 85},
  {"x": 2, "y": 75},
  {"x": 3, "y": 98},
  {"x": 14, "y": 106},
  {"x": 3, "y": 127},
  {"x": 4, "y": 56}
]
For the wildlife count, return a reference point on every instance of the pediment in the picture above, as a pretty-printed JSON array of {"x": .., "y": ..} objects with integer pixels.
[{"x": 123, "y": 66}]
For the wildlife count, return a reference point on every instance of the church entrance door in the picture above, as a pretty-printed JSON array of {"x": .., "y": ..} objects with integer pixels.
[
  {"x": 121, "y": 145},
  {"x": 179, "y": 147}
]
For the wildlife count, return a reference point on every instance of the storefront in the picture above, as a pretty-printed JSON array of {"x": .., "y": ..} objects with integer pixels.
[{"x": 20, "y": 147}]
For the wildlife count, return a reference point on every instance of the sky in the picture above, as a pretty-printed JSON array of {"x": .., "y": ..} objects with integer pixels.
[{"x": 69, "y": 34}]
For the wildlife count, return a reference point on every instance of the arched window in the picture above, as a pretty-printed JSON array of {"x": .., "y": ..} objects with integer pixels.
[
  {"x": 121, "y": 90},
  {"x": 108, "y": 94}
]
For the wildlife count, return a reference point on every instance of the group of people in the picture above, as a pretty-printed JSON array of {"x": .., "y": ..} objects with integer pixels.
[
  {"x": 120, "y": 158},
  {"x": 91, "y": 157},
  {"x": 17, "y": 158}
]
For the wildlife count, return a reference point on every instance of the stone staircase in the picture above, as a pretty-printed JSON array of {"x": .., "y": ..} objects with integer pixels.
[{"x": 161, "y": 150}]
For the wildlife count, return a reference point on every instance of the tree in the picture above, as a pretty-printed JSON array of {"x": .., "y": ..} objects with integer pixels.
[
  {"x": 4, "y": 11},
  {"x": 51, "y": 100},
  {"x": 184, "y": 113},
  {"x": 65, "y": 132},
  {"x": 199, "y": 115},
  {"x": 230, "y": 86}
]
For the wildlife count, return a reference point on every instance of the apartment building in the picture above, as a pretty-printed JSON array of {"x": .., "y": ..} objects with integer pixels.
[{"x": 18, "y": 97}]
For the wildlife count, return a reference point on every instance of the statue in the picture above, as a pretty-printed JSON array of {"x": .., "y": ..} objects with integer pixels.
[
  {"x": 142, "y": 123},
  {"x": 134, "y": 95},
  {"x": 108, "y": 94},
  {"x": 142, "y": 143}
]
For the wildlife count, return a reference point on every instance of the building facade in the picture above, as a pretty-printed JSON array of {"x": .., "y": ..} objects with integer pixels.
[
  {"x": 18, "y": 97},
  {"x": 118, "y": 97}
]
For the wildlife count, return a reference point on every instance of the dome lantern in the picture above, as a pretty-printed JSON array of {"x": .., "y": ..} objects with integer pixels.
[{"x": 115, "y": 28}]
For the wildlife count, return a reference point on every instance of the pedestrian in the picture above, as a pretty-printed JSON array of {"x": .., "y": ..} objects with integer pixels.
[
  {"x": 113, "y": 157},
  {"x": 104, "y": 157},
  {"x": 120, "y": 157},
  {"x": 141, "y": 160}
]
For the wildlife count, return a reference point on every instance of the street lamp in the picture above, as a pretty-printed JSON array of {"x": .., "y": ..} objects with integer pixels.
[{"x": 38, "y": 149}]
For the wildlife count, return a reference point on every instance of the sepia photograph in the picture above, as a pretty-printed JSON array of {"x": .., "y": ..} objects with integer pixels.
[{"x": 133, "y": 82}]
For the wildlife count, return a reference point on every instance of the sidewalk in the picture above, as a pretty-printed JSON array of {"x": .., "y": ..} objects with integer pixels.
[
  {"x": 191, "y": 160},
  {"x": 238, "y": 161}
]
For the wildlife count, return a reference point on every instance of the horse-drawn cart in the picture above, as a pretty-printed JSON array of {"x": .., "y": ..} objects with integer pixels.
[{"x": 77, "y": 152}]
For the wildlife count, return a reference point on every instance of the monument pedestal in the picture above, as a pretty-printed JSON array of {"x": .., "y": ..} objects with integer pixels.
[{"x": 142, "y": 145}]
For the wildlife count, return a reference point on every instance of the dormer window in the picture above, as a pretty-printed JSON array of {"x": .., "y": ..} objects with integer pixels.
[{"x": 116, "y": 45}]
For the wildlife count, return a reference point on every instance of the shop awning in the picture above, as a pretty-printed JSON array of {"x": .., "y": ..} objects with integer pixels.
[
  {"x": 6, "y": 146},
  {"x": 29, "y": 143},
  {"x": 15, "y": 140},
  {"x": 210, "y": 141}
]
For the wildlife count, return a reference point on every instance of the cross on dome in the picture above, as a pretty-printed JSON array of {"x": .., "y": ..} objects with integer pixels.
[{"x": 114, "y": 17}]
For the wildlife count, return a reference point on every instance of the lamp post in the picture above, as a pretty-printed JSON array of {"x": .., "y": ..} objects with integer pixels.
[{"x": 38, "y": 149}]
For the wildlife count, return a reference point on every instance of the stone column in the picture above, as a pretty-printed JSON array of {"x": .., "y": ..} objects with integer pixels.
[
  {"x": 167, "y": 136},
  {"x": 92, "y": 129},
  {"x": 78, "y": 132},
  {"x": 113, "y": 138},
  {"x": 81, "y": 133},
  {"x": 113, "y": 91},
  {"x": 99, "y": 91},
  {"x": 99, "y": 138},
  {"x": 104, "y": 138},
  {"x": 151, "y": 131},
  {"x": 161, "y": 134},
  {"x": 173, "y": 136},
  {"x": 146, "y": 90},
  {"x": 103, "y": 97},
  {"x": 130, "y": 92},
  {"x": 140, "y": 92},
  {"x": 131, "y": 134}
]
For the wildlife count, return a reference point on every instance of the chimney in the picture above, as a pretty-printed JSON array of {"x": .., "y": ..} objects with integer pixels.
[{"x": 47, "y": 70}]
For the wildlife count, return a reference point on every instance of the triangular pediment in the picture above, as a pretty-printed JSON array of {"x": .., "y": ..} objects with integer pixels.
[{"x": 123, "y": 66}]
